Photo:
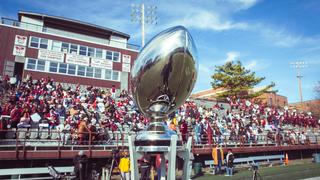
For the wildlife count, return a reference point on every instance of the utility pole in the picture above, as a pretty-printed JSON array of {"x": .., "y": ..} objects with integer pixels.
[
  {"x": 298, "y": 65},
  {"x": 143, "y": 15}
]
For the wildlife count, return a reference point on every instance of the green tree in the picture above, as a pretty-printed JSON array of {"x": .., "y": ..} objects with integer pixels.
[{"x": 236, "y": 81}]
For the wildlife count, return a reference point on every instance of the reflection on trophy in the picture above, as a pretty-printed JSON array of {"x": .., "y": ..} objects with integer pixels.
[{"x": 162, "y": 78}]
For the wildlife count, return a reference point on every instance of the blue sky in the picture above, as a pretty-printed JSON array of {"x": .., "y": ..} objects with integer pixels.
[{"x": 265, "y": 35}]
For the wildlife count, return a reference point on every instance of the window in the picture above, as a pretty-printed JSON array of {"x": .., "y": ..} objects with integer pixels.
[
  {"x": 115, "y": 75},
  {"x": 53, "y": 67},
  {"x": 83, "y": 50},
  {"x": 81, "y": 70},
  {"x": 65, "y": 47},
  {"x": 44, "y": 43},
  {"x": 90, "y": 51},
  {"x": 97, "y": 73},
  {"x": 98, "y": 53},
  {"x": 108, "y": 74},
  {"x": 116, "y": 56},
  {"x": 31, "y": 64},
  {"x": 109, "y": 55},
  {"x": 89, "y": 72},
  {"x": 56, "y": 46},
  {"x": 62, "y": 68},
  {"x": 41, "y": 64},
  {"x": 34, "y": 42},
  {"x": 73, "y": 48},
  {"x": 71, "y": 69}
]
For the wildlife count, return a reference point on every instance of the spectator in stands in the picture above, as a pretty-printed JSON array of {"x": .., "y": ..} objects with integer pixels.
[
  {"x": 24, "y": 121},
  {"x": 83, "y": 130},
  {"x": 197, "y": 131},
  {"x": 113, "y": 91},
  {"x": 218, "y": 159},
  {"x": 15, "y": 116},
  {"x": 64, "y": 131},
  {"x": 209, "y": 132},
  {"x": 229, "y": 163},
  {"x": 124, "y": 166},
  {"x": 184, "y": 131},
  {"x": 302, "y": 138}
]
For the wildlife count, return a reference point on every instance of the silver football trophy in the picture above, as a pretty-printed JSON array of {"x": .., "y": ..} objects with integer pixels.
[{"x": 162, "y": 78}]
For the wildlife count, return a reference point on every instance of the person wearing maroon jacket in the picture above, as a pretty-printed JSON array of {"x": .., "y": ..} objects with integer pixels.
[
  {"x": 184, "y": 131},
  {"x": 209, "y": 132},
  {"x": 113, "y": 128},
  {"x": 15, "y": 116}
]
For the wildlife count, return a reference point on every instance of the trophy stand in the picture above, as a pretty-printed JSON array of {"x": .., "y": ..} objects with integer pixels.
[{"x": 170, "y": 153}]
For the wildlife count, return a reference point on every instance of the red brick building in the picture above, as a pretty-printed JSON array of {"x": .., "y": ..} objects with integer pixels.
[
  {"x": 67, "y": 50},
  {"x": 269, "y": 99}
]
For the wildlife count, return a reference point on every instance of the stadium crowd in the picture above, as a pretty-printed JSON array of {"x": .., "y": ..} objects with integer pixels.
[{"x": 83, "y": 113}]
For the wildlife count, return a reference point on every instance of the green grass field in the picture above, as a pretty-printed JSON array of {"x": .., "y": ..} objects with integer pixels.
[{"x": 291, "y": 172}]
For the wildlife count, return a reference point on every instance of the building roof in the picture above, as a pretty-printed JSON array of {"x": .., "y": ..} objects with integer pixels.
[
  {"x": 208, "y": 93},
  {"x": 64, "y": 21}
]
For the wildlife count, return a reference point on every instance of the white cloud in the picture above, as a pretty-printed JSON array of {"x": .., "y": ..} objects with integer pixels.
[
  {"x": 206, "y": 20},
  {"x": 232, "y": 56},
  {"x": 246, "y": 4},
  {"x": 256, "y": 65},
  {"x": 251, "y": 65},
  {"x": 281, "y": 37}
]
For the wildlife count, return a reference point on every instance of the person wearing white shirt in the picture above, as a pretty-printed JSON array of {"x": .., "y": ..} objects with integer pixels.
[
  {"x": 303, "y": 138},
  {"x": 64, "y": 129}
]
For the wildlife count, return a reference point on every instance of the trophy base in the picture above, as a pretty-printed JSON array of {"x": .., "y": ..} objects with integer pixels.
[{"x": 156, "y": 137}]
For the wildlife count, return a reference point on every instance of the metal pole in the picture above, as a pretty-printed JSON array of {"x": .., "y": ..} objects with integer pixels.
[
  {"x": 142, "y": 25},
  {"x": 299, "y": 81}
]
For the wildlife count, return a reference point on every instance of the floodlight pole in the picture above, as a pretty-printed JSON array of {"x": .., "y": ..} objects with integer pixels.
[
  {"x": 143, "y": 15},
  {"x": 299, "y": 83},
  {"x": 298, "y": 65}
]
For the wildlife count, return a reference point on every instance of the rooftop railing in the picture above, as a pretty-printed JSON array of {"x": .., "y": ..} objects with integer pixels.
[{"x": 44, "y": 29}]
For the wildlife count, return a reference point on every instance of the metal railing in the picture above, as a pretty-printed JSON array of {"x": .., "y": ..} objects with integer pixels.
[
  {"x": 44, "y": 29},
  {"x": 259, "y": 140},
  {"x": 35, "y": 139}
]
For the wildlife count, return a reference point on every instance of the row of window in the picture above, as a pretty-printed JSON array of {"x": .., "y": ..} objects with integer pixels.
[
  {"x": 59, "y": 46},
  {"x": 72, "y": 69}
]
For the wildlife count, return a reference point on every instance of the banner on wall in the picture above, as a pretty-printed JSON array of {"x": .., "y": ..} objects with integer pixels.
[
  {"x": 19, "y": 50},
  {"x": 126, "y": 67},
  {"x": 76, "y": 59},
  {"x": 50, "y": 55},
  {"x": 126, "y": 58},
  {"x": 21, "y": 40},
  {"x": 101, "y": 63}
]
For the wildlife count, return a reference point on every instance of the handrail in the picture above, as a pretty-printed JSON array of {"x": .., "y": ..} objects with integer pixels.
[
  {"x": 44, "y": 29},
  {"x": 90, "y": 144}
]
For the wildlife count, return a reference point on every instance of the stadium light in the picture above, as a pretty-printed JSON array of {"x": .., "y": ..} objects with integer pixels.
[
  {"x": 144, "y": 15},
  {"x": 298, "y": 65}
]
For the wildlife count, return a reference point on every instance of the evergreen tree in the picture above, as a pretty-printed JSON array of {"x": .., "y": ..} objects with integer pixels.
[{"x": 236, "y": 81}]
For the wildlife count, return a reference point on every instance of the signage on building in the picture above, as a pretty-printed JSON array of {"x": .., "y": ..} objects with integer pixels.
[
  {"x": 126, "y": 58},
  {"x": 101, "y": 63},
  {"x": 50, "y": 55},
  {"x": 126, "y": 67},
  {"x": 21, "y": 40},
  {"x": 19, "y": 50},
  {"x": 76, "y": 59}
]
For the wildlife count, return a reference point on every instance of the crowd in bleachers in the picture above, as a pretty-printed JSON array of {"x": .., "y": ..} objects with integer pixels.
[{"x": 81, "y": 114}]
